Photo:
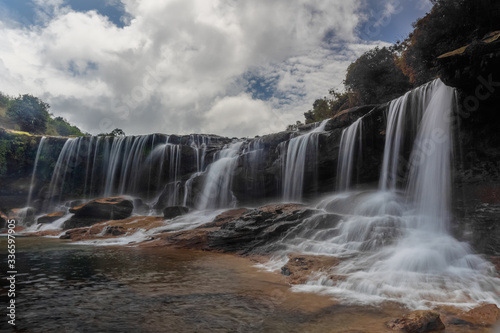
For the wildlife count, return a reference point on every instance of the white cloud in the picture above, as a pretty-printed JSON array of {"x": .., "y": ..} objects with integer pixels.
[{"x": 178, "y": 66}]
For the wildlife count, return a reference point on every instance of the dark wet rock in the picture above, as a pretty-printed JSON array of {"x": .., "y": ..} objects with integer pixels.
[
  {"x": 257, "y": 227},
  {"x": 227, "y": 216},
  {"x": 114, "y": 208},
  {"x": 174, "y": 211},
  {"x": 140, "y": 208},
  {"x": 114, "y": 231},
  {"x": 74, "y": 203},
  {"x": 99, "y": 210},
  {"x": 49, "y": 218},
  {"x": 81, "y": 222},
  {"x": 418, "y": 322},
  {"x": 25, "y": 216},
  {"x": 3, "y": 220}
]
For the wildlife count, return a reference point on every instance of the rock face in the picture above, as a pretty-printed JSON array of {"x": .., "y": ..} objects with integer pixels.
[
  {"x": 257, "y": 227},
  {"x": 174, "y": 211},
  {"x": 95, "y": 211},
  {"x": 418, "y": 322},
  {"x": 49, "y": 218},
  {"x": 242, "y": 230}
]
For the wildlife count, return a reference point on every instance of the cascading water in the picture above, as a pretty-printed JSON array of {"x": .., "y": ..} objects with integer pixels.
[
  {"x": 299, "y": 149},
  {"x": 395, "y": 246},
  {"x": 216, "y": 192},
  {"x": 403, "y": 118},
  {"x": 350, "y": 145},
  {"x": 37, "y": 157}
]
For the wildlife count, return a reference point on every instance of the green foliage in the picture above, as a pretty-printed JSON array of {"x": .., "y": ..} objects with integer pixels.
[
  {"x": 4, "y": 100},
  {"x": 115, "y": 132},
  {"x": 375, "y": 78},
  {"x": 63, "y": 127},
  {"x": 30, "y": 113},
  {"x": 450, "y": 25}
]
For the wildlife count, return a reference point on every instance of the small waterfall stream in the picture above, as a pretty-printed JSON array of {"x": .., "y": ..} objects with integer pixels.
[
  {"x": 37, "y": 157},
  {"x": 217, "y": 191},
  {"x": 299, "y": 149}
]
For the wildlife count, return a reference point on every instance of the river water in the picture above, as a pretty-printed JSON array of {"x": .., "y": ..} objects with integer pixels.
[{"x": 63, "y": 287}]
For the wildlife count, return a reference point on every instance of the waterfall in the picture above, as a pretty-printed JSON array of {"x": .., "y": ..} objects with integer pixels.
[
  {"x": 351, "y": 144},
  {"x": 299, "y": 149},
  {"x": 60, "y": 170},
  {"x": 216, "y": 192},
  {"x": 403, "y": 118},
  {"x": 394, "y": 244},
  {"x": 37, "y": 157}
]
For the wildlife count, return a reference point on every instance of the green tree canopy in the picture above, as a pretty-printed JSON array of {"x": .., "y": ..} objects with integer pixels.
[
  {"x": 450, "y": 25},
  {"x": 63, "y": 127},
  {"x": 30, "y": 113},
  {"x": 115, "y": 132},
  {"x": 375, "y": 78}
]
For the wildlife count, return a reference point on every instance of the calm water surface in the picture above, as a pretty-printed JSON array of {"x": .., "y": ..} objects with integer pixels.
[{"x": 63, "y": 287}]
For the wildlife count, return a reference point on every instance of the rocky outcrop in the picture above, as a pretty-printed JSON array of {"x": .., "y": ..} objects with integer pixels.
[
  {"x": 174, "y": 211},
  {"x": 110, "y": 229},
  {"x": 418, "y": 322},
  {"x": 257, "y": 227},
  {"x": 49, "y": 218},
  {"x": 99, "y": 210}
]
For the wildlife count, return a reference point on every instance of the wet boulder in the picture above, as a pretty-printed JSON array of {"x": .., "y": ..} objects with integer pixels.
[
  {"x": 174, "y": 211},
  {"x": 99, "y": 210},
  {"x": 418, "y": 322},
  {"x": 485, "y": 315},
  {"x": 257, "y": 227},
  {"x": 49, "y": 218},
  {"x": 299, "y": 266}
]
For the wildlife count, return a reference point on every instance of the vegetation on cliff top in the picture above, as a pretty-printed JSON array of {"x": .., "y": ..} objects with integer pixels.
[
  {"x": 30, "y": 114},
  {"x": 382, "y": 74}
]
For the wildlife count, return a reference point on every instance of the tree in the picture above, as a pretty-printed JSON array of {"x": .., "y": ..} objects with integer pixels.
[
  {"x": 115, "y": 132},
  {"x": 450, "y": 25},
  {"x": 375, "y": 78},
  {"x": 30, "y": 113},
  {"x": 63, "y": 127}
]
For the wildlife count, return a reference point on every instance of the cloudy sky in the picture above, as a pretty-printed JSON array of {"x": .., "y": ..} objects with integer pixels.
[{"x": 229, "y": 67}]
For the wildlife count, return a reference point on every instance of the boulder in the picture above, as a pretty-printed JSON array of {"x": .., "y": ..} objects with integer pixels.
[
  {"x": 3, "y": 220},
  {"x": 114, "y": 208},
  {"x": 174, "y": 211},
  {"x": 25, "y": 216},
  {"x": 299, "y": 267},
  {"x": 49, "y": 218},
  {"x": 484, "y": 315},
  {"x": 418, "y": 322},
  {"x": 99, "y": 210}
]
